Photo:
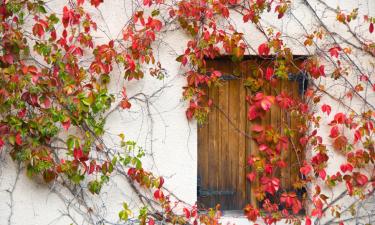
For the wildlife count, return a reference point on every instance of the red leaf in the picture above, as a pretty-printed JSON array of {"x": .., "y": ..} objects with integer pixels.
[
  {"x": 251, "y": 176},
  {"x": 158, "y": 194},
  {"x": 250, "y": 160},
  {"x": 307, "y": 221},
  {"x": 147, "y": 2},
  {"x": 282, "y": 164},
  {"x": 305, "y": 169},
  {"x": 187, "y": 213},
  {"x": 322, "y": 174},
  {"x": 22, "y": 113},
  {"x": 34, "y": 100},
  {"x": 297, "y": 206},
  {"x": 49, "y": 175},
  {"x": 84, "y": 166},
  {"x": 268, "y": 168},
  {"x": 1, "y": 143},
  {"x": 340, "y": 118},
  {"x": 303, "y": 140},
  {"x": 189, "y": 114},
  {"x": 172, "y": 13},
  {"x": 334, "y": 132},
  {"x": 284, "y": 100},
  {"x": 151, "y": 221},
  {"x": 92, "y": 167},
  {"x": 269, "y": 73},
  {"x": 349, "y": 186},
  {"x": 252, "y": 113},
  {"x": 125, "y": 104},
  {"x": 53, "y": 35},
  {"x": 38, "y": 29},
  {"x": 263, "y": 49},
  {"x": 8, "y": 58},
  {"x": 18, "y": 139},
  {"x": 111, "y": 43},
  {"x": 263, "y": 147},
  {"x": 267, "y": 102},
  {"x": 361, "y": 179},
  {"x": 80, "y": 2},
  {"x": 66, "y": 124},
  {"x": 45, "y": 102},
  {"x": 251, "y": 212},
  {"x": 257, "y": 128},
  {"x": 321, "y": 70},
  {"x": 364, "y": 78},
  {"x": 357, "y": 136},
  {"x": 369, "y": 126},
  {"x": 209, "y": 102},
  {"x": 371, "y": 27},
  {"x": 326, "y": 108},
  {"x": 335, "y": 51},
  {"x": 77, "y": 153},
  {"x": 184, "y": 60},
  {"x": 270, "y": 185},
  {"x": 161, "y": 182},
  {"x": 346, "y": 167},
  {"x": 340, "y": 142},
  {"x": 260, "y": 2},
  {"x": 317, "y": 212},
  {"x": 131, "y": 171},
  {"x": 35, "y": 78},
  {"x": 96, "y": 3}
]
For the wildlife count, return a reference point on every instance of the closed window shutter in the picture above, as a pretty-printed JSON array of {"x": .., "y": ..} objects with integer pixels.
[{"x": 224, "y": 141}]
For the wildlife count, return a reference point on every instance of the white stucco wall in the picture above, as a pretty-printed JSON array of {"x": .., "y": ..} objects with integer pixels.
[{"x": 164, "y": 131}]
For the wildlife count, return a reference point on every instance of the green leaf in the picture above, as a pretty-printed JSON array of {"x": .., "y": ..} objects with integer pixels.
[
  {"x": 125, "y": 213},
  {"x": 70, "y": 143},
  {"x": 95, "y": 186},
  {"x": 86, "y": 101},
  {"x": 155, "y": 12},
  {"x": 104, "y": 179},
  {"x": 12, "y": 139},
  {"x": 76, "y": 178},
  {"x": 179, "y": 58},
  {"x": 41, "y": 9},
  {"x": 53, "y": 18}
]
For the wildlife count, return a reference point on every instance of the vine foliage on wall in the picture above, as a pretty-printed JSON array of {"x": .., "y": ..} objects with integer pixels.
[{"x": 54, "y": 80}]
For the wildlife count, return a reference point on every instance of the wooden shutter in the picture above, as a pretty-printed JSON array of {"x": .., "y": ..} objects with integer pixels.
[
  {"x": 222, "y": 145},
  {"x": 224, "y": 142}
]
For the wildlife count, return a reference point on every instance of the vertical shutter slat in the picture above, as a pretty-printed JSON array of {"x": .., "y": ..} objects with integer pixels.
[
  {"x": 222, "y": 171},
  {"x": 203, "y": 150},
  {"x": 212, "y": 153},
  {"x": 285, "y": 172},
  {"x": 242, "y": 143},
  {"x": 276, "y": 122},
  {"x": 295, "y": 149},
  {"x": 233, "y": 137}
]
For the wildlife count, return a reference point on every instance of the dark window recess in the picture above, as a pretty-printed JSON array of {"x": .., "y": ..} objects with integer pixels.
[
  {"x": 302, "y": 79},
  {"x": 203, "y": 193},
  {"x": 229, "y": 77}
]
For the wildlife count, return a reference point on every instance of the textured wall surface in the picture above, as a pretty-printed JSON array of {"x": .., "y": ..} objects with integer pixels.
[{"x": 159, "y": 125}]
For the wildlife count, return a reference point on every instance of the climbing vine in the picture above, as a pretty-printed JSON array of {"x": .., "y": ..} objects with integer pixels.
[{"x": 55, "y": 99}]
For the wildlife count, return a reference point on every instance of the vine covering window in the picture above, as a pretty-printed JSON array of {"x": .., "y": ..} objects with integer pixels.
[{"x": 228, "y": 139}]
